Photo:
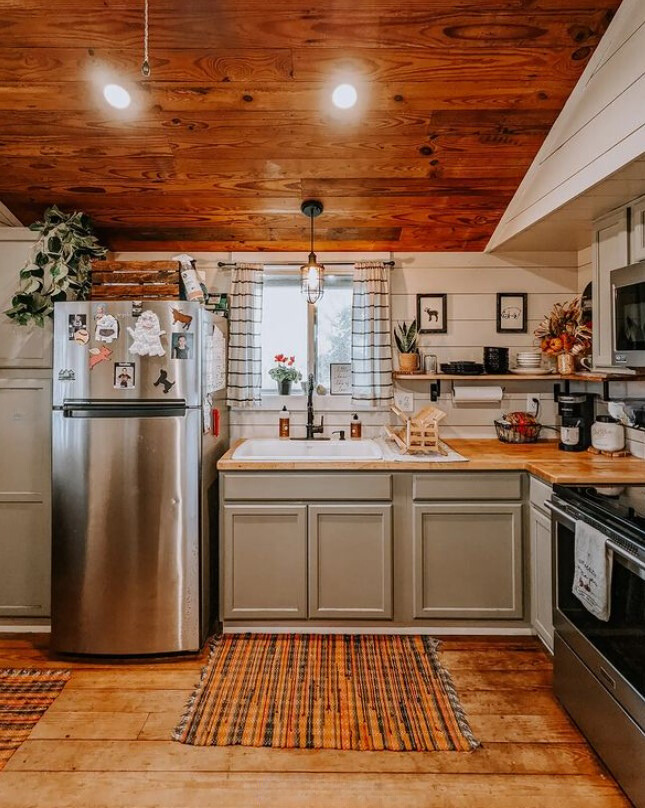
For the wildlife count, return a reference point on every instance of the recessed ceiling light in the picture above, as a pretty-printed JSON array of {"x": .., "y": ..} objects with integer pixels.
[
  {"x": 116, "y": 96},
  {"x": 344, "y": 96}
]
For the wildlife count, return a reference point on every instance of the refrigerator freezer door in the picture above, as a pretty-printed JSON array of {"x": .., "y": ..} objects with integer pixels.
[
  {"x": 111, "y": 350},
  {"x": 126, "y": 552}
]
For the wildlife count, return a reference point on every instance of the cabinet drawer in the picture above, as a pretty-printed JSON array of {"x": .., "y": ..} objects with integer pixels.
[
  {"x": 540, "y": 493},
  {"x": 304, "y": 486},
  {"x": 467, "y": 486}
]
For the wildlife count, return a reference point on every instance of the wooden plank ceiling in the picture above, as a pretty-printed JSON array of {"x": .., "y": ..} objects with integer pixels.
[{"x": 235, "y": 125}]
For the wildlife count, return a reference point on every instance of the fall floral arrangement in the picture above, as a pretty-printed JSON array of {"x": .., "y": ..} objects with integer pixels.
[
  {"x": 285, "y": 371},
  {"x": 564, "y": 330}
]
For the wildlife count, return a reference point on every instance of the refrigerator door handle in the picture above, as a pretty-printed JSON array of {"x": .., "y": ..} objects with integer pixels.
[{"x": 141, "y": 409}]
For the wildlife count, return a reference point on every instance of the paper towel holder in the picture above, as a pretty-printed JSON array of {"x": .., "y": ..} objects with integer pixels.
[{"x": 452, "y": 391}]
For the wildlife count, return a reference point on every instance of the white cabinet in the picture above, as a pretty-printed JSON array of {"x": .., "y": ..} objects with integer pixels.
[
  {"x": 610, "y": 250},
  {"x": 541, "y": 563},
  {"x": 637, "y": 234},
  {"x": 25, "y": 521},
  {"x": 20, "y": 346}
]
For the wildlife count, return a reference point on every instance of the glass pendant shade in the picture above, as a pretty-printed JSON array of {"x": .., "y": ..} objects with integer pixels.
[
  {"x": 312, "y": 279},
  {"x": 312, "y": 274}
]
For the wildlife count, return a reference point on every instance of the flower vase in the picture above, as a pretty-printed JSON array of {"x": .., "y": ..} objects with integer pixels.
[
  {"x": 566, "y": 364},
  {"x": 284, "y": 387}
]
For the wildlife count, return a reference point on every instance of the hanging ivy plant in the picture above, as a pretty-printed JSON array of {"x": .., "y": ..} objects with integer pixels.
[{"x": 58, "y": 267}]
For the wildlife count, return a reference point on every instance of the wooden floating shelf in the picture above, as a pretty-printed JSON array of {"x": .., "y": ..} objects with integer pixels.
[{"x": 517, "y": 377}]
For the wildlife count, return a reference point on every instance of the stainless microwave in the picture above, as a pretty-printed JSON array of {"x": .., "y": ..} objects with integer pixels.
[{"x": 628, "y": 315}]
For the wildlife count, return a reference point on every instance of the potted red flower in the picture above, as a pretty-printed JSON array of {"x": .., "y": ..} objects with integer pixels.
[{"x": 285, "y": 373}]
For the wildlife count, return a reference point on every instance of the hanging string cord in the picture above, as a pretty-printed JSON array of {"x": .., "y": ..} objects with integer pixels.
[{"x": 145, "y": 67}]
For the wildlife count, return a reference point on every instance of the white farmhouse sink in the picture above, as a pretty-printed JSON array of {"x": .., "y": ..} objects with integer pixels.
[{"x": 289, "y": 451}]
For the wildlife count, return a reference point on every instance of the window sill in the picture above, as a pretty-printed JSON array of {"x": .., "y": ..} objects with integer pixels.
[{"x": 297, "y": 402}]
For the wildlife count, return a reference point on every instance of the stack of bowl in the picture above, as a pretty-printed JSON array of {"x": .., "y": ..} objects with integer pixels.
[{"x": 529, "y": 360}]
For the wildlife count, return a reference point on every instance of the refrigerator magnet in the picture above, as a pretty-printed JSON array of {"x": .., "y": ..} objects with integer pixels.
[
  {"x": 106, "y": 327},
  {"x": 77, "y": 328},
  {"x": 146, "y": 335},
  {"x": 98, "y": 355},
  {"x": 182, "y": 346},
  {"x": 137, "y": 308},
  {"x": 124, "y": 375},
  {"x": 180, "y": 318},
  {"x": 164, "y": 381}
]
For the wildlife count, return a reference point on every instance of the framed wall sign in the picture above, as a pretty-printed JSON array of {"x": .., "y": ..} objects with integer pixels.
[
  {"x": 340, "y": 375},
  {"x": 432, "y": 314},
  {"x": 511, "y": 312}
]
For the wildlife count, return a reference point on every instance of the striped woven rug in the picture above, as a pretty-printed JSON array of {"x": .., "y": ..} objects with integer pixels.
[
  {"x": 25, "y": 695},
  {"x": 300, "y": 691}
]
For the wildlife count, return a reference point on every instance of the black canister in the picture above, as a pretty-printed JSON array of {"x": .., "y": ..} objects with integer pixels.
[{"x": 496, "y": 360}]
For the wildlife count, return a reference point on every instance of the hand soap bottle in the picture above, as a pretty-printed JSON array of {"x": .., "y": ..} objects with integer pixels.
[
  {"x": 284, "y": 423},
  {"x": 356, "y": 427}
]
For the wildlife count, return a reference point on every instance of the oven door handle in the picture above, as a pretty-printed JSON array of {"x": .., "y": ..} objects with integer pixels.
[
  {"x": 636, "y": 564},
  {"x": 559, "y": 513}
]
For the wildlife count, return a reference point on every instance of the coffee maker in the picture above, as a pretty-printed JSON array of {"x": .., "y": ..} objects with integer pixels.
[{"x": 577, "y": 415}]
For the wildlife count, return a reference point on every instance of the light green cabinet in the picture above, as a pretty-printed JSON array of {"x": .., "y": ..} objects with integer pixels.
[
  {"x": 350, "y": 561},
  {"x": 265, "y": 562},
  {"x": 467, "y": 560},
  {"x": 25, "y": 502},
  {"x": 541, "y": 576}
]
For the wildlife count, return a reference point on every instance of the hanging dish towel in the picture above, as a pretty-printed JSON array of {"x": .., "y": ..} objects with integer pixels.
[{"x": 592, "y": 572}]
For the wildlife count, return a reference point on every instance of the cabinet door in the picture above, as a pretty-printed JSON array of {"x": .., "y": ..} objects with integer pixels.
[
  {"x": 265, "y": 561},
  {"x": 541, "y": 576},
  {"x": 350, "y": 561},
  {"x": 28, "y": 346},
  {"x": 610, "y": 251},
  {"x": 25, "y": 503},
  {"x": 468, "y": 560},
  {"x": 637, "y": 240}
]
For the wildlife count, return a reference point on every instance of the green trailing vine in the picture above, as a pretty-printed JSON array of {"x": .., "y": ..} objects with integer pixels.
[{"x": 58, "y": 267}]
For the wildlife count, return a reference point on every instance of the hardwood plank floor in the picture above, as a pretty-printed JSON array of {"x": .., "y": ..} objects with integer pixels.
[{"x": 106, "y": 743}]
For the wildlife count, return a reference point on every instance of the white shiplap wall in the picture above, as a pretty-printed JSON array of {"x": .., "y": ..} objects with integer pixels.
[{"x": 471, "y": 281}]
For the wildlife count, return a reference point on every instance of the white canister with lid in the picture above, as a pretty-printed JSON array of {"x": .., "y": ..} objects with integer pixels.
[{"x": 607, "y": 434}]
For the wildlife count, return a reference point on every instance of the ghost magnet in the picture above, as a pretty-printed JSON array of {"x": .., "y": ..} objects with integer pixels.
[{"x": 146, "y": 335}]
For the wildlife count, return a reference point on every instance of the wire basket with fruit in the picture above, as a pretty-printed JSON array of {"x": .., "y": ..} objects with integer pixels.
[{"x": 518, "y": 427}]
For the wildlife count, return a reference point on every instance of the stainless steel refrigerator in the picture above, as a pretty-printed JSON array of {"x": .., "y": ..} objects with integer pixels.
[{"x": 134, "y": 449}]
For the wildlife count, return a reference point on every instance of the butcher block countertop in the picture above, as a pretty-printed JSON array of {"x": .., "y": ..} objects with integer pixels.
[{"x": 542, "y": 459}]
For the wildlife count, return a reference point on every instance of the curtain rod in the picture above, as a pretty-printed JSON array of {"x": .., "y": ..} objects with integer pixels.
[{"x": 230, "y": 265}]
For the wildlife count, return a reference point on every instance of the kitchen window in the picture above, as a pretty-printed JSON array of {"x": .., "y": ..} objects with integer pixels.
[{"x": 316, "y": 335}]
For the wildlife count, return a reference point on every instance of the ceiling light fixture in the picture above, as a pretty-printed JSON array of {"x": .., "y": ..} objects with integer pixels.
[
  {"x": 116, "y": 96},
  {"x": 312, "y": 274},
  {"x": 344, "y": 96},
  {"x": 145, "y": 65}
]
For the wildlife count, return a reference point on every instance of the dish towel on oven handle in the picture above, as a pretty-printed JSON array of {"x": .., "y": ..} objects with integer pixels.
[{"x": 593, "y": 564}]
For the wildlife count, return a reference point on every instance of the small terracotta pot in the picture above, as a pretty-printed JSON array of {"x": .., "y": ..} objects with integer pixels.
[
  {"x": 566, "y": 364},
  {"x": 408, "y": 362}
]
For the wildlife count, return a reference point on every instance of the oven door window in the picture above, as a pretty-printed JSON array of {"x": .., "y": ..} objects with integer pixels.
[
  {"x": 630, "y": 317},
  {"x": 622, "y": 639}
]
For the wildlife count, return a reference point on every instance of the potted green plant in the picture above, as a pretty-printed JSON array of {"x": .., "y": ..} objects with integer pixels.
[
  {"x": 285, "y": 373},
  {"x": 58, "y": 267},
  {"x": 406, "y": 338}
]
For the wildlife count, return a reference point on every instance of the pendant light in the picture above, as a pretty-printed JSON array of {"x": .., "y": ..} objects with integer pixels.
[
  {"x": 312, "y": 274},
  {"x": 145, "y": 65}
]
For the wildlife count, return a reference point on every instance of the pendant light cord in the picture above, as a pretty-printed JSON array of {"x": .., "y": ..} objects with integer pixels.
[
  {"x": 311, "y": 233},
  {"x": 145, "y": 66}
]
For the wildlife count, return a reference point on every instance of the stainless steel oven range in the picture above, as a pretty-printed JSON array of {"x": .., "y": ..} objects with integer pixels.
[{"x": 599, "y": 667}]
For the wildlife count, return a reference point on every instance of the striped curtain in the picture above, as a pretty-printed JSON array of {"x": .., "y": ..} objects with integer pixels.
[
  {"x": 244, "y": 337},
  {"x": 371, "y": 335}
]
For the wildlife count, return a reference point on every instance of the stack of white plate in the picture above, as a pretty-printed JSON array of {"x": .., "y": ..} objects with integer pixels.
[
  {"x": 529, "y": 362},
  {"x": 529, "y": 359}
]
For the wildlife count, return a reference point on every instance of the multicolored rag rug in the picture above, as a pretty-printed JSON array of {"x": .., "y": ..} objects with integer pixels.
[
  {"x": 25, "y": 695},
  {"x": 313, "y": 691}
]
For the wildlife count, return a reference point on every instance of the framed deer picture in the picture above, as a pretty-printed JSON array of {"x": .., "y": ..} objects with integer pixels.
[{"x": 432, "y": 314}]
